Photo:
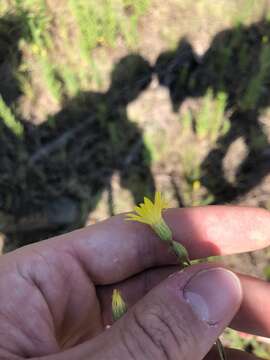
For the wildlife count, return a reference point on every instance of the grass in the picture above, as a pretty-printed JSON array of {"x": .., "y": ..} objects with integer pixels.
[
  {"x": 192, "y": 175},
  {"x": 210, "y": 118},
  {"x": 10, "y": 120},
  {"x": 92, "y": 25},
  {"x": 51, "y": 78},
  {"x": 71, "y": 81},
  {"x": 129, "y": 26},
  {"x": 38, "y": 40},
  {"x": 193, "y": 192},
  {"x": 101, "y": 23}
]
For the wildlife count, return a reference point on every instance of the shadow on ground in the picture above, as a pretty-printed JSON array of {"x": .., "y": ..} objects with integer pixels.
[
  {"x": 237, "y": 63},
  {"x": 53, "y": 177}
]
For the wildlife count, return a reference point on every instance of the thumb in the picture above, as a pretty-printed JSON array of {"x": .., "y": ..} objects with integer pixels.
[{"x": 179, "y": 319}]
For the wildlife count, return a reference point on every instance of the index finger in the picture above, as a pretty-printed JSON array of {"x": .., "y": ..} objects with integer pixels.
[{"x": 116, "y": 249}]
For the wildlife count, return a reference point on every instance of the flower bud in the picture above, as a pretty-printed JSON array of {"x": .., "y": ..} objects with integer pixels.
[
  {"x": 119, "y": 307},
  {"x": 181, "y": 253}
]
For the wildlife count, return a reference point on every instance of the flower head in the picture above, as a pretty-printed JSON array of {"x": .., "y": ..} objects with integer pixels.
[
  {"x": 119, "y": 307},
  {"x": 150, "y": 213}
]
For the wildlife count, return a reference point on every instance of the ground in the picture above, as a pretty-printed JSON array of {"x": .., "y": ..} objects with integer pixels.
[{"x": 102, "y": 104}]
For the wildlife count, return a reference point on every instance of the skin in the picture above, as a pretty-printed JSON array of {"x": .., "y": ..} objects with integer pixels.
[{"x": 55, "y": 295}]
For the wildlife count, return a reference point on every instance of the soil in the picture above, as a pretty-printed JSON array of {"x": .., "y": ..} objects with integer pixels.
[{"x": 113, "y": 145}]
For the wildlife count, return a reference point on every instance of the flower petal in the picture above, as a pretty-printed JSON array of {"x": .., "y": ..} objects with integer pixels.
[
  {"x": 158, "y": 199},
  {"x": 149, "y": 212},
  {"x": 137, "y": 218},
  {"x": 148, "y": 203},
  {"x": 139, "y": 210}
]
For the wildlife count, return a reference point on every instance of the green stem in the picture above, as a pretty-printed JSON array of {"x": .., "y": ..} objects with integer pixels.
[{"x": 182, "y": 255}]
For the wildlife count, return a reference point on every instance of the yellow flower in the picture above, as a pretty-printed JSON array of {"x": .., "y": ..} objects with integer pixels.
[
  {"x": 119, "y": 307},
  {"x": 150, "y": 213},
  {"x": 196, "y": 185}
]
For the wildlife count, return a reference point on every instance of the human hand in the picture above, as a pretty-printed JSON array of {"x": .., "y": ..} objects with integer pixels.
[{"x": 55, "y": 296}]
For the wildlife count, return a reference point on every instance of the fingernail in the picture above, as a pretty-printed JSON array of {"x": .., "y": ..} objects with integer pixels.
[{"x": 213, "y": 294}]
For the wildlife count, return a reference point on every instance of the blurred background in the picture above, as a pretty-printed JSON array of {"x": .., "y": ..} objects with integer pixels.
[{"x": 102, "y": 102}]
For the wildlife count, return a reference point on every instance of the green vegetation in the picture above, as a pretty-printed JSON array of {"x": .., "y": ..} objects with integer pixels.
[
  {"x": 91, "y": 24},
  {"x": 210, "y": 119},
  {"x": 192, "y": 175},
  {"x": 101, "y": 22},
  {"x": 247, "y": 10},
  {"x": 244, "y": 341},
  {"x": 36, "y": 21},
  {"x": 97, "y": 23},
  {"x": 9, "y": 119},
  {"x": 193, "y": 192},
  {"x": 129, "y": 26},
  {"x": 257, "y": 83}
]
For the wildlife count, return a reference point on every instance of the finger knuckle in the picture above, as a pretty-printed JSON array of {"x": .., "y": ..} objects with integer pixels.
[{"x": 158, "y": 332}]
